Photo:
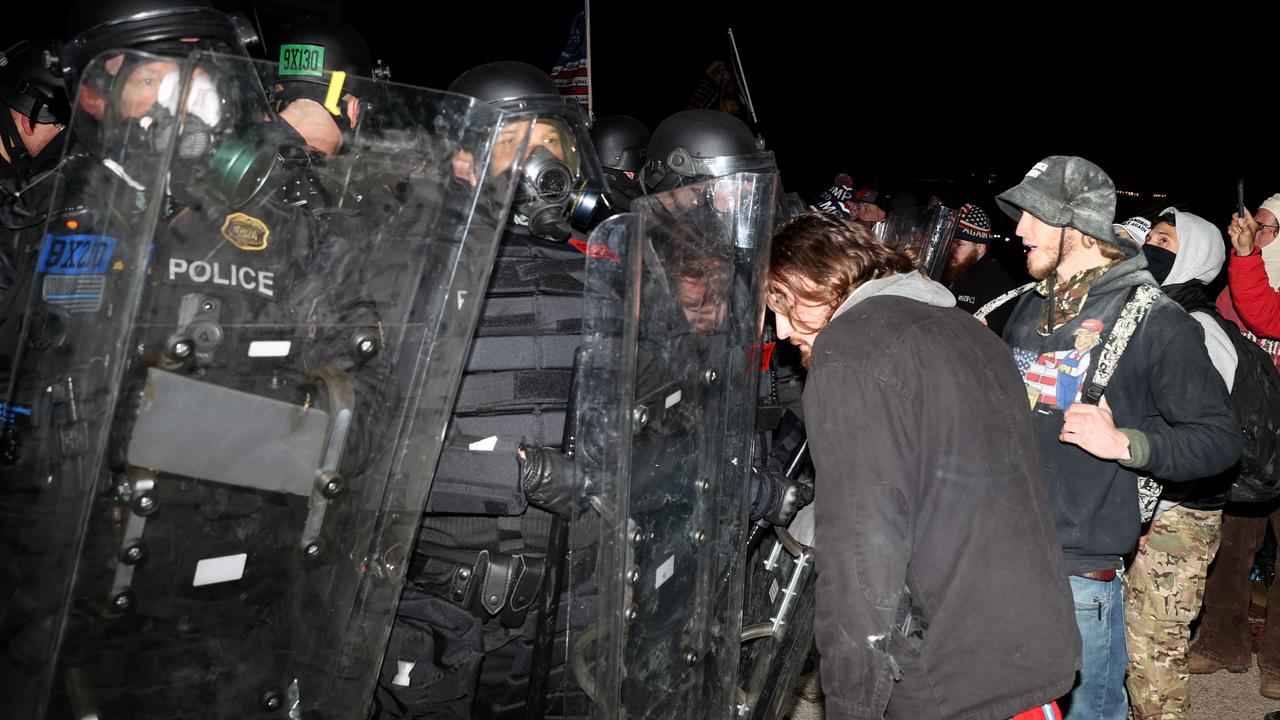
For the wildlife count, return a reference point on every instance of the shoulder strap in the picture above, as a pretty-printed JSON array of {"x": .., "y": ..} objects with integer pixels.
[
  {"x": 1141, "y": 298},
  {"x": 999, "y": 300}
]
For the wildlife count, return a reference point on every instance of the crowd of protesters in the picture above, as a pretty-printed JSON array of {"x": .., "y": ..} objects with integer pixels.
[{"x": 1043, "y": 519}]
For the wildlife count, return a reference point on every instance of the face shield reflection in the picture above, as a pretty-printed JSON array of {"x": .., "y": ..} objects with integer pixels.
[
  {"x": 725, "y": 195},
  {"x": 704, "y": 300},
  {"x": 729, "y": 195},
  {"x": 702, "y": 270},
  {"x": 682, "y": 199}
]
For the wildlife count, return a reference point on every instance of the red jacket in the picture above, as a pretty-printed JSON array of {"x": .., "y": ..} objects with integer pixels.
[
  {"x": 1256, "y": 303},
  {"x": 1226, "y": 308}
]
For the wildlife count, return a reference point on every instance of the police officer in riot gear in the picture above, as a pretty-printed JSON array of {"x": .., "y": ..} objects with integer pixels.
[
  {"x": 242, "y": 382},
  {"x": 36, "y": 80},
  {"x": 689, "y": 147},
  {"x": 309, "y": 51},
  {"x": 464, "y": 634},
  {"x": 74, "y": 290},
  {"x": 561, "y": 189},
  {"x": 679, "y": 404},
  {"x": 622, "y": 143},
  {"x": 702, "y": 166},
  {"x": 172, "y": 28},
  {"x": 227, "y": 261},
  {"x": 33, "y": 115}
]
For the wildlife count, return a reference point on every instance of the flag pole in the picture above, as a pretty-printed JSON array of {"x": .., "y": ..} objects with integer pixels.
[
  {"x": 591, "y": 102},
  {"x": 742, "y": 77}
]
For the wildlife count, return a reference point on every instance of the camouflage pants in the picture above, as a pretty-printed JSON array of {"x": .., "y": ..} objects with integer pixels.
[{"x": 1163, "y": 591}]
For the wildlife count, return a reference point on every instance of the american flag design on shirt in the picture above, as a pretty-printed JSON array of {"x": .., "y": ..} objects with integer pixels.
[{"x": 1053, "y": 380}]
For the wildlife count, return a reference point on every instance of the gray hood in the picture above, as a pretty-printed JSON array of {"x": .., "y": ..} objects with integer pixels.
[
  {"x": 914, "y": 285},
  {"x": 1200, "y": 249}
]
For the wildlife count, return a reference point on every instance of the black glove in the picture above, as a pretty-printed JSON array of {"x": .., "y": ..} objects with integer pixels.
[
  {"x": 775, "y": 498},
  {"x": 547, "y": 480}
]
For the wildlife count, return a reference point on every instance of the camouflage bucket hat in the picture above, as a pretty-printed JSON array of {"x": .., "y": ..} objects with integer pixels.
[{"x": 1068, "y": 191}]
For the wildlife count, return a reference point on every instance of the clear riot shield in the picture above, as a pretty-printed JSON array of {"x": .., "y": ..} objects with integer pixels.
[
  {"x": 666, "y": 400},
  {"x": 789, "y": 205},
  {"x": 924, "y": 234},
  {"x": 245, "y": 394},
  {"x": 777, "y": 619}
]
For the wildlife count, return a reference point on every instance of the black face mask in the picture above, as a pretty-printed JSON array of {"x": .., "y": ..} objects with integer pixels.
[{"x": 1159, "y": 261}]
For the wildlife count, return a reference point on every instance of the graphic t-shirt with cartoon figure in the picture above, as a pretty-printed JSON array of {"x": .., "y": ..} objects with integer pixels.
[{"x": 1055, "y": 380}]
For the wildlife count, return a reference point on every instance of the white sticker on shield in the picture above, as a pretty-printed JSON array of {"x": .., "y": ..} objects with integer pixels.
[
  {"x": 211, "y": 571},
  {"x": 665, "y": 571}
]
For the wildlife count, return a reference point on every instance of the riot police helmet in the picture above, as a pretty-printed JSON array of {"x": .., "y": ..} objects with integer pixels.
[
  {"x": 695, "y": 145},
  {"x": 33, "y": 106},
  {"x": 29, "y": 85},
  {"x": 621, "y": 142},
  {"x": 162, "y": 27},
  {"x": 509, "y": 85},
  {"x": 311, "y": 49}
]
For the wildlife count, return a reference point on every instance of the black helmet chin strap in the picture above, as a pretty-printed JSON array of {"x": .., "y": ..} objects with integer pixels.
[
  {"x": 643, "y": 178},
  {"x": 11, "y": 136}
]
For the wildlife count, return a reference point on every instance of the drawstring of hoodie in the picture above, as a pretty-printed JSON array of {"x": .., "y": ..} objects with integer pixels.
[{"x": 1051, "y": 298}]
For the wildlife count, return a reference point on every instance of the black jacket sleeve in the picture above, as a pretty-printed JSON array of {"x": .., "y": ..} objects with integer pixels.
[{"x": 1196, "y": 434}]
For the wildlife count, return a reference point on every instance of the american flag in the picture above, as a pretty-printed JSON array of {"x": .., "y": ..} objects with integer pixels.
[
  {"x": 1025, "y": 359},
  {"x": 76, "y": 293},
  {"x": 974, "y": 222},
  {"x": 572, "y": 71},
  {"x": 1039, "y": 373},
  {"x": 1044, "y": 373}
]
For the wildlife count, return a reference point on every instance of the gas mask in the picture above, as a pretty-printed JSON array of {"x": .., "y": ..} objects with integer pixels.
[
  {"x": 554, "y": 201},
  {"x": 152, "y": 130},
  {"x": 209, "y": 155}
]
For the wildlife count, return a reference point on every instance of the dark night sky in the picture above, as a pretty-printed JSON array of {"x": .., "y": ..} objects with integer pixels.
[{"x": 894, "y": 95}]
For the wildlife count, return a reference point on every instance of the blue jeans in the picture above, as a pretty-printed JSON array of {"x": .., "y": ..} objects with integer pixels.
[{"x": 1099, "y": 692}]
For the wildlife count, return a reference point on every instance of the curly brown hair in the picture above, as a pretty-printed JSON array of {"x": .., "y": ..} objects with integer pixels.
[{"x": 822, "y": 259}]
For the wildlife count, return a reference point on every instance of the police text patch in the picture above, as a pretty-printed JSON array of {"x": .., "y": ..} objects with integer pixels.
[{"x": 205, "y": 272}]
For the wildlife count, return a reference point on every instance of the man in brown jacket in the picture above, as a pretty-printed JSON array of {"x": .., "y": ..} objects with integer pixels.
[{"x": 941, "y": 587}]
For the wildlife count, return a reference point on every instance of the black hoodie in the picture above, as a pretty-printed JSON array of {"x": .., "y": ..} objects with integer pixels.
[{"x": 1165, "y": 395}]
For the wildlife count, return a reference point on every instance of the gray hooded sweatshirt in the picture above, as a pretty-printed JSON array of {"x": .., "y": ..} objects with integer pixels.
[
  {"x": 913, "y": 285},
  {"x": 1200, "y": 256}
]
